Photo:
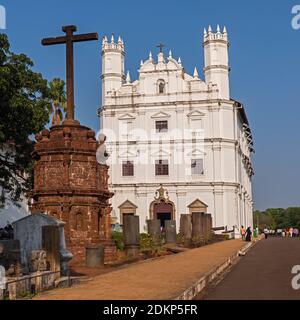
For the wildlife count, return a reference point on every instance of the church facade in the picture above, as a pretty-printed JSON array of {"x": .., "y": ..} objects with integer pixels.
[{"x": 178, "y": 143}]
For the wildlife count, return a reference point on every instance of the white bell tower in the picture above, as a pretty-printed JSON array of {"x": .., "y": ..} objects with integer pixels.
[
  {"x": 216, "y": 64},
  {"x": 113, "y": 65}
]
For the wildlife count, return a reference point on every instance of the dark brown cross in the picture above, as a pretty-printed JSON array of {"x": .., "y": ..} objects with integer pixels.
[
  {"x": 160, "y": 46},
  {"x": 69, "y": 39}
]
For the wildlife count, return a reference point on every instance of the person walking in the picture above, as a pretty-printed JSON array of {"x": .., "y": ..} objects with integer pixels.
[
  {"x": 243, "y": 232},
  {"x": 255, "y": 233},
  {"x": 248, "y": 234},
  {"x": 266, "y": 233}
]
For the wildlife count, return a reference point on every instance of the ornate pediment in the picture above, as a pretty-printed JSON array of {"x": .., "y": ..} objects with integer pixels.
[
  {"x": 162, "y": 194},
  {"x": 161, "y": 153},
  {"x": 196, "y": 152},
  {"x": 126, "y": 116},
  {"x": 196, "y": 115},
  {"x": 160, "y": 115},
  {"x": 128, "y": 205},
  {"x": 128, "y": 154},
  {"x": 198, "y": 204}
]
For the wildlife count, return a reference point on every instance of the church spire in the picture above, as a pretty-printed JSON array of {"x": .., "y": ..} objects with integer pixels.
[
  {"x": 196, "y": 75},
  {"x": 128, "y": 79}
]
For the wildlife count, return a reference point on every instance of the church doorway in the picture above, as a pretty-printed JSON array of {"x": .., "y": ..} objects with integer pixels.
[
  {"x": 163, "y": 217},
  {"x": 162, "y": 208}
]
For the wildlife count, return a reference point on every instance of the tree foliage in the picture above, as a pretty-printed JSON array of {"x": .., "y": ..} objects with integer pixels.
[
  {"x": 59, "y": 99},
  {"x": 277, "y": 218},
  {"x": 25, "y": 104}
]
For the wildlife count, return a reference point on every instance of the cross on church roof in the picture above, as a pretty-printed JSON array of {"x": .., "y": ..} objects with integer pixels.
[{"x": 160, "y": 46}]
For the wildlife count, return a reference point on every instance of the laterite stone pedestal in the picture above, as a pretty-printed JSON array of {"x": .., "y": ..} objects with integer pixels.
[{"x": 71, "y": 185}]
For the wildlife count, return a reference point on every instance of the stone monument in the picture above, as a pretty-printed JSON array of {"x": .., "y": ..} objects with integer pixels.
[{"x": 69, "y": 183}]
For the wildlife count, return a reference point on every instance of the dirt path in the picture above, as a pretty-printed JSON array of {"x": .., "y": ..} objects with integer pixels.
[
  {"x": 163, "y": 278},
  {"x": 263, "y": 274}
]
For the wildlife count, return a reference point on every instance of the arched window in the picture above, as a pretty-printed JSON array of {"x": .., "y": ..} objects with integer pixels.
[{"x": 161, "y": 86}]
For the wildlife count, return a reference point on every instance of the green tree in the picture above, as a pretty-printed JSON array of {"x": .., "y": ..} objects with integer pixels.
[
  {"x": 58, "y": 100},
  {"x": 277, "y": 218},
  {"x": 25, "y": 102}
]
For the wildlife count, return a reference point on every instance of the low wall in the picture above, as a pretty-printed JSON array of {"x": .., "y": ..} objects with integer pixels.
[{"x": 25, "y": 286}]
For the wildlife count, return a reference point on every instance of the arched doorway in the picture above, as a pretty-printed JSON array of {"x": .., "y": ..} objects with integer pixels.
[{"x": 162, "y": 208}]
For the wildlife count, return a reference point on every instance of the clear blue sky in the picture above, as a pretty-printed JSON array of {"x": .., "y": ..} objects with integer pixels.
[{"x": 264, "y": 56}]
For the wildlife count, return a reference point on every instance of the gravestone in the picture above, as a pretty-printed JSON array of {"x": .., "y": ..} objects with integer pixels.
[
  {"x": 29, "y": 232},
  {"x": 205, "y": 227},
  {"x": 186, "y": 228},
  {"x": 209, "y": 226},
  {"x": 131, "y": 234},
  {"x": 197, "y": 225},
  {"x": 94, "y": 256},
  {"x": 154, "y": 230},
  {"x": 170, "y": 227},
  {"x": 154, "y": 227}
]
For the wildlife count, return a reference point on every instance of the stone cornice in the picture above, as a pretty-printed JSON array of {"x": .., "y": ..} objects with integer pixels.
[{"x": 107, "y": 108}]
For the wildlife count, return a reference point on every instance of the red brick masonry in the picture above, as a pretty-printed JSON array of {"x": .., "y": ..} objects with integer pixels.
[{"x": 71, "y": 185}]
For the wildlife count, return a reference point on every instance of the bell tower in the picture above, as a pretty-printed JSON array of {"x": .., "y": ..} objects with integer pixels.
[
  {"x": 113, "y": 65},
  {"x": 216, "y": 65}
]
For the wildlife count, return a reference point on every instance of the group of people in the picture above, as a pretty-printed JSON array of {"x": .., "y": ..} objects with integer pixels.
[
  {"x": 247, "y": 233},
  {"x": 288, "y": 232}
]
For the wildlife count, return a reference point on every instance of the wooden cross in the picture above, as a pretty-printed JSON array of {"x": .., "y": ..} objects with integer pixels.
[
  {"x": 160, "y": 46},
  {"x": 69, "y": 39}
]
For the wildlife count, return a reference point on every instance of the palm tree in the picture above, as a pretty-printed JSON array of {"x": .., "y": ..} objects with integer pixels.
[{"x": 58, "y": 100}]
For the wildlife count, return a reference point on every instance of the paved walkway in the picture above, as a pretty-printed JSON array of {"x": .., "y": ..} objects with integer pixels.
[
  {"x": 163, "y": 278},
  {"x": 263, "y": 274}
]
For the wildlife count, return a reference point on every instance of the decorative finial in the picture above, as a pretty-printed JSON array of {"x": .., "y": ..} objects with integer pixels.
[
  {"x": 196, "y": 75},
  {"x": 128, "y": 80},
  {"x": 142, "y": 62},
  {"x": 112, "y": 38},
  {"x": 150, "y": 55},
  {"x": 224, "y": 30},
  {"x": 120, "y": 40},
  {"x": 104, "y": 40},
  {"x": 170, "y": 54},
  {"x": 218, "y": 29},
  {"x": 179, "y": 60},
  {"x": 205, "y": 32},
  {"x": 209, "y": 29}
]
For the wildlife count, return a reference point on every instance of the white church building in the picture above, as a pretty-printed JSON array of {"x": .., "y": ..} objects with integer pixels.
[{"x": 178, "y": 143}]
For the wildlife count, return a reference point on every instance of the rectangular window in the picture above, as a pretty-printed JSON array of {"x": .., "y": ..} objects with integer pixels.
[
  {"x": 197, "y": 166},
  {"x": 128, "y": 168},
  {"x": 161, "y": 126},
  {"x": 161, "y": 168}
]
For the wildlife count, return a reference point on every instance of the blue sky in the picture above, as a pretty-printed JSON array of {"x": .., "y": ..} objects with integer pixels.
[{"x": 264, "y": 56}]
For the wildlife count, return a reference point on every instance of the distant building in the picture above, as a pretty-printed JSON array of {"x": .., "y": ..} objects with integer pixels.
[{"x": 178, "y": 144}]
